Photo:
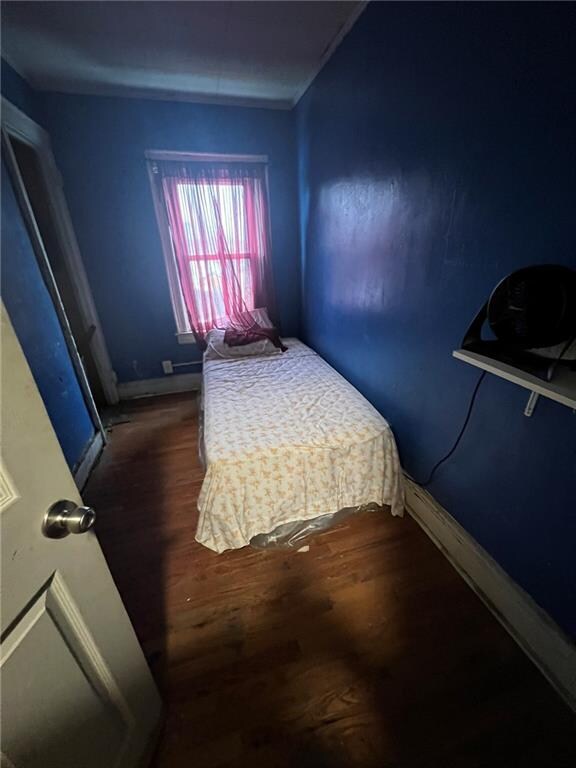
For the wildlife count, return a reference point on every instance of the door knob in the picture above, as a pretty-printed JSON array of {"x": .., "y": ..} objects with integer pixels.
[{"x": 66, "y": 517}]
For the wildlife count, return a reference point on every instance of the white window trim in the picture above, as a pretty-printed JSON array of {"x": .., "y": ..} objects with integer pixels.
[
  {"x": 180, "y": 317},
  {"x": 201, "y": 157},
  {"x": 186, "y": 338}
]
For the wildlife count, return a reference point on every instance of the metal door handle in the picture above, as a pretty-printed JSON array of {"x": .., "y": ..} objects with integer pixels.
[{"x": 66, "y": 517}]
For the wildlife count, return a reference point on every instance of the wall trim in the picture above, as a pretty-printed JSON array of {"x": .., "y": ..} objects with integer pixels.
[
  {"x": 89, "y": 459},
  {"x": 147, "y": 94},
  {"x": 202, "y": 157},
  {"x": 331, "y": 48},
  {"x": 182, "y": 382},
  {"x": 543, "y": 641}
]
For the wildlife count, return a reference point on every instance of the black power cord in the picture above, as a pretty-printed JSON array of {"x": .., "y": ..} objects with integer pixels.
[
  {"x": 552, "y": 368},
  {"x": 460, "y": 434}
]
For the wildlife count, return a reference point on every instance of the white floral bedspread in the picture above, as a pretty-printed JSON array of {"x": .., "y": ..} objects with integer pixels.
[{"x": 287, "y": 438}]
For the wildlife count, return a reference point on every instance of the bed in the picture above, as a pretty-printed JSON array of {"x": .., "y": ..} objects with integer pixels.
[{"x": 286, "y": 439}]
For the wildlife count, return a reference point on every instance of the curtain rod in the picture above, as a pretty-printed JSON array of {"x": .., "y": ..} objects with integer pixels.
[{"x": 200, "y": 157}]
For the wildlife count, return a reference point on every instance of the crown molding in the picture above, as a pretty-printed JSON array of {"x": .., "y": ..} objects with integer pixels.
[{"x": 331, "y": 49}]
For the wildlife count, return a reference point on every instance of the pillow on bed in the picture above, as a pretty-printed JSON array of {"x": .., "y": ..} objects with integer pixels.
[{"x": 217, "y": 349}]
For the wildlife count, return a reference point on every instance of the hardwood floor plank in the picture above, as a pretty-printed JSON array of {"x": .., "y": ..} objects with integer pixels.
[{"x": 368, "y": 650}]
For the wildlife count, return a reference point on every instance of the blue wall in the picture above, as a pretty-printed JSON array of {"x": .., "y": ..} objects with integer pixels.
[
  {"x": 437, "y": 154},
  {"x": 36, "y": 324},
  {"x": 99, "y": 145},
  {"x": 17, "y": 90}
]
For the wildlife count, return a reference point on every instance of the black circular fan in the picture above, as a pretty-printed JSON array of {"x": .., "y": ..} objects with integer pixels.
[{"x": 534, "y": 307}]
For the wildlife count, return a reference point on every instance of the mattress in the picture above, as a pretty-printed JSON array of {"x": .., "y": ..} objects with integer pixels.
[{"x": 286, "y": 438}]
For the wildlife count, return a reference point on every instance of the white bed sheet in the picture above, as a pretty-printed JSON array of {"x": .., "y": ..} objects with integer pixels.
[{"x": 287, "y": 438}]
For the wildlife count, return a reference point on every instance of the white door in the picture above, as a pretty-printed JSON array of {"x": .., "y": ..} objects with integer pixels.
[{"x": 76, "y": 689}]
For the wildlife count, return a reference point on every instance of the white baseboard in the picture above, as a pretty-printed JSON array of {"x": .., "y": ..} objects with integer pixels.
[
  {"x": 82, "y": 471},
  {"x": 182, "y": 382},
  {"x": 553, "y": 652}
]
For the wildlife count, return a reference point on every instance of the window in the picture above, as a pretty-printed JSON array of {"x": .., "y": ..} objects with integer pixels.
[
  {"x": 203, "y": 253},
  {"x": 214, "y": 227}
]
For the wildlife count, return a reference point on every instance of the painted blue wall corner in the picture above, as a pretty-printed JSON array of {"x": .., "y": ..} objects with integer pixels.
[
  {"x": 99, "y": 145},
  {"x": 17, "y": 91}
]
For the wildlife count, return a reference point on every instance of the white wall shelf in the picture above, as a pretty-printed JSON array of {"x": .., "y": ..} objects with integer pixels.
[{"x": 562, "y": 389}]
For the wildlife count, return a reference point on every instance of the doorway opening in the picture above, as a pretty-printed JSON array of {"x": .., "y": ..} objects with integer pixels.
[
  {"x": 33, "y": 169},
  {"x": 37, "y": 185},
  {"x": 38, "y": 194}
]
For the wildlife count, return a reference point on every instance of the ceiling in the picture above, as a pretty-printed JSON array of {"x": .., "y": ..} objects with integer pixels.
[{"x": 252, "y": 53}]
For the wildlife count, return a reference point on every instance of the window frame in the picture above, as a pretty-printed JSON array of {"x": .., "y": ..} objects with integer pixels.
[{"x": 183, "y": 330}]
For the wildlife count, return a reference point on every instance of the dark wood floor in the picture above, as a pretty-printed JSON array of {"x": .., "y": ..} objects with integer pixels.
[{"x": 368, "y": 650}]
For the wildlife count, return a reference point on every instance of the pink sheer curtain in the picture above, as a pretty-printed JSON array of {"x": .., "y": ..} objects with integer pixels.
[{"x": 218, "y": 221}]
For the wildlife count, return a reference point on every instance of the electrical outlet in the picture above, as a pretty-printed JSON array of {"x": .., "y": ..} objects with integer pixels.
[{"x": 167, "y": 366}]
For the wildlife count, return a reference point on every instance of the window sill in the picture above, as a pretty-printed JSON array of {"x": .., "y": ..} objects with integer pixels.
[{"x": 186, "y": 338}]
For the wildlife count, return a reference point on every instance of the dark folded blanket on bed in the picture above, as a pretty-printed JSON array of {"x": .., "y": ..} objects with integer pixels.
[{"x": 238, "y": 337}]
